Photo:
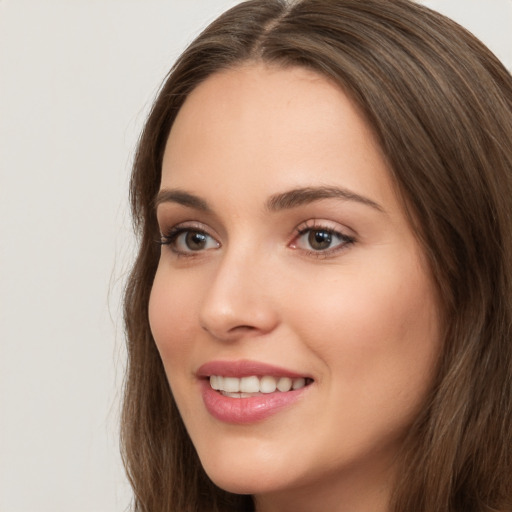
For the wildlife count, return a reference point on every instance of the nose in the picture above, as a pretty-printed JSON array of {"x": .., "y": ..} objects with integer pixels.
[{"x": 239, "y": 301}]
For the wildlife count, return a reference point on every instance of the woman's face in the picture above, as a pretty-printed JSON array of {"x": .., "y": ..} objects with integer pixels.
[{"x": 288, "y": 261}]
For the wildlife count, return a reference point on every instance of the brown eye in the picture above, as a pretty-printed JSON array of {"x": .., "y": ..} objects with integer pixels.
[
  {"x": 195, "y": 241},
  {"x": 184, "y": 241},
  {"x": 319, "y": 240}
]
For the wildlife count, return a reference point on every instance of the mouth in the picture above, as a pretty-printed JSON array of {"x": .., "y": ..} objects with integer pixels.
[
  {"x": 253, "y": 385},
  {"x": 245, "y": 392}
]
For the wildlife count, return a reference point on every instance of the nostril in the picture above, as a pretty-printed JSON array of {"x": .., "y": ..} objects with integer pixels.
[
  {"x": 230, "y": 333},
  {"x": 242, "y": 328}
]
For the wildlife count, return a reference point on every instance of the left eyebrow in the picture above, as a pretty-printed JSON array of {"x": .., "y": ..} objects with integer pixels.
[
  {"x": 301, "y": 196},
  {"x": 181, "y": 197}
]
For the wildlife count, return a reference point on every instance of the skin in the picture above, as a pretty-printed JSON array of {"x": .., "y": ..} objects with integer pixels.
[{"x": 359, "y": 317}]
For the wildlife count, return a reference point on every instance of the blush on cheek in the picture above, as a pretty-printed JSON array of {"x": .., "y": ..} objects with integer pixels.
[
  {"x": 168, "y": 321},
  {"x": 382, "y": 323}
]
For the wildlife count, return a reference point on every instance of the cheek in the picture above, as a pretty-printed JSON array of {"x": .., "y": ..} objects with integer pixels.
[
  {"x": 376, "y": 332},
  {"x": 170, "y": 320},
  {"x": 170, "y": 317}
]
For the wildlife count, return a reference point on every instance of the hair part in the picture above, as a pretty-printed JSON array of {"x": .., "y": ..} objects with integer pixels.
[{"x": 440, "y": 104}]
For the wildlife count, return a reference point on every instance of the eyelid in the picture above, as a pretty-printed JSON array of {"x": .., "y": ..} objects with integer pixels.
[
  {"x": 327, "y": 226},
  {"x": 169, "y": 236},
  {"x": 191, "y": 225}
]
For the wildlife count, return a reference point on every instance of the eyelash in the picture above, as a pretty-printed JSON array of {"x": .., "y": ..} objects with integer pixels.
[
  {"x": 171, "y": 238},
  {"x": 314, "y": 227}
]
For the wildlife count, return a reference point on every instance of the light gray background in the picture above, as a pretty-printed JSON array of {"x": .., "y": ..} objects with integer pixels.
[{"x": 76, "y": 80}]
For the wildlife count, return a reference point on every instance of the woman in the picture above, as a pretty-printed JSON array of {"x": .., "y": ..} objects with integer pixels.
[{"x": 325, "y": 323}]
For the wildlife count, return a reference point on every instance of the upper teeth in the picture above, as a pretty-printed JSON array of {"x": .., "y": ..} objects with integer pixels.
[{"x": 253, "y": 384}]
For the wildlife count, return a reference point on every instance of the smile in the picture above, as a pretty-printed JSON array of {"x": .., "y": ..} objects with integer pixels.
[
  {"x": 247, "y": 387},
  {"x": 244, "y": 392}
]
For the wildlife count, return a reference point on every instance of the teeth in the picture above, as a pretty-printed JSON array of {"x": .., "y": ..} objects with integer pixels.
[
  {"x": 268, "y": 384},
  {"x": 216, "y": 382},
  {"x": 297, "y": 383},
  {"x": 284, "y": 384},
  {"x": 246, "y": 386},
  {"x": 231, "y": 384},
  {"x": 249, "y": 385}
]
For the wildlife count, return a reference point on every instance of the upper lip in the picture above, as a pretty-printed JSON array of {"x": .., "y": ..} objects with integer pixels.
[{"x": 245, "y": 368}]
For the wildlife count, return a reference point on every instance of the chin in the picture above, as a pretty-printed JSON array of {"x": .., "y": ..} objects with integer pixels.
[
  {"x": 245, "y": 478},
  {"x": 237, "y": 486}
]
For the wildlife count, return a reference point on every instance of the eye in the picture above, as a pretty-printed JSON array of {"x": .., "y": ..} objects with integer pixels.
[
  {"x": 321, "y": 240},
  {"x": 186, "y": 241}
]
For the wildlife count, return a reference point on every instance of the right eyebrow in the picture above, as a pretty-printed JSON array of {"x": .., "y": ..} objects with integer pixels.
[
  {"x": 306, "y": 195},
  {"x": 181, "y": 197}
]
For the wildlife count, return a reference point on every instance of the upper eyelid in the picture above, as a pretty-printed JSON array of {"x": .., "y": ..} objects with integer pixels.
[
  {"x": 328, "y": 225},
  {"x": 187, "y": 225},
  {"x": 170, "y": 237},
  {"x": 170, "y": 214},
  {"x": 326, "y": 254},
  {"x": 168, "y": 229},
  {"x": 341, "y": 233}
]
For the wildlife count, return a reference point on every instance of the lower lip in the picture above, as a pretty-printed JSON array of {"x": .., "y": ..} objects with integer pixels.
[{"x": 247, "y": 410}]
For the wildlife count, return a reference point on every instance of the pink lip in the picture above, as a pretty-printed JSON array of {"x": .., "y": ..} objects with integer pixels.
[
  {"x": 245, "y": 410},
  {"x": 244, "y": 368}
]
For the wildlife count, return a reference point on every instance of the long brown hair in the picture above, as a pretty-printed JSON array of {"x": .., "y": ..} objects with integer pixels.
[{"x": 440, "y": 104}]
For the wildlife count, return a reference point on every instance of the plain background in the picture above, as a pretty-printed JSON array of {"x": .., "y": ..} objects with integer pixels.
[{"x": 76, "y": 81}]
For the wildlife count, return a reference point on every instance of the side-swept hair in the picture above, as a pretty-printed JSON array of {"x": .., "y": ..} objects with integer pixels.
[{"x": 440, "y": 104}]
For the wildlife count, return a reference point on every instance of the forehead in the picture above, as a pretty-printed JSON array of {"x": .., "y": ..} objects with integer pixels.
[
  {"x": 298, "y": 99},
  {"x": 259, "y": 124}
]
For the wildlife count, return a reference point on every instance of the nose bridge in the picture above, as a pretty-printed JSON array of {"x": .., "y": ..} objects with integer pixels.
[{"x": 239, "y": 298}]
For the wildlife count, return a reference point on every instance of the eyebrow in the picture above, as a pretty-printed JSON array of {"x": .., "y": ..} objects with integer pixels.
[
  {"x": 181, "y": 197},
  {"x": 301, "y": 196},
  {"x": 281, "y": 201}
]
